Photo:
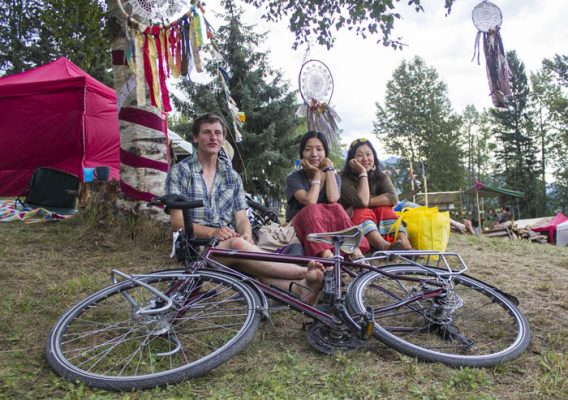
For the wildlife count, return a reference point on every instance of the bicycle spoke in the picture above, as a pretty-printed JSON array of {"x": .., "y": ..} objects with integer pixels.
[
  {"x": 466, "y": 323},
  {"x": 109, "y": 338}
]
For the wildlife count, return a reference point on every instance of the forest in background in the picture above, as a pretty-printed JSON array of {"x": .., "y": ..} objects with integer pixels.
[{"x": 521, "y": 148}]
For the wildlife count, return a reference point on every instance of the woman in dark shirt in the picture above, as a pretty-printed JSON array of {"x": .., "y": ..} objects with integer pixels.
[
  {"x": 369, "y": 194},
  {"x": 312, "y": 194}
]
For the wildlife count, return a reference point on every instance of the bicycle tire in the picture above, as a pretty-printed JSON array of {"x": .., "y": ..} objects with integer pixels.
[
  {"x": 104, "y": 343},
  {"x": 488, "y": 329}
]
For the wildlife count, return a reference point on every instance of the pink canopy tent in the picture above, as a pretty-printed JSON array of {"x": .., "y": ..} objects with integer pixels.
[
  {"x": 550, "y": 227},
  {"x": 57, "y": 116}
]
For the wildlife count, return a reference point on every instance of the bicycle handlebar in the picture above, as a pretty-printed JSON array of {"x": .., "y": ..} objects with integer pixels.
[{"x": 178, "y": 202}]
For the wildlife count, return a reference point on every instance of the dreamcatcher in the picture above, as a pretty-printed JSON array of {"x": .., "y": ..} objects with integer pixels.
[
  {"x": 316, "y": 88},
  {"x": 164, "y": 40},
  {"x": 487, "y": 18}
]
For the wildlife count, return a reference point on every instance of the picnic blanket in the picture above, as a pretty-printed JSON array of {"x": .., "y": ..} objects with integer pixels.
[{"x": 12, "y": 210}]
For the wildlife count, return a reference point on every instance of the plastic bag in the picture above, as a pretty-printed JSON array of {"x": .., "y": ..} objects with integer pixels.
[{"x": 428, "y": 228}]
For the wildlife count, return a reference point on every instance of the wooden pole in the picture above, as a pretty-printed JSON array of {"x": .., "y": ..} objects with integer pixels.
[
  {"x": 411, "y": 171},
  {"x": 478, "y": 210},
  {"x": 425, "y": 183}
]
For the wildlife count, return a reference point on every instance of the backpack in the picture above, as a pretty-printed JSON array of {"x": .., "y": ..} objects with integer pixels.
[{"x": 52, "y": 189}]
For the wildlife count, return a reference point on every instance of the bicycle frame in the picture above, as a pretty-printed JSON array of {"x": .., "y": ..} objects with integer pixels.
[
  {"x": 338, "y": 263},
  {"x": 177, "y": 324}
]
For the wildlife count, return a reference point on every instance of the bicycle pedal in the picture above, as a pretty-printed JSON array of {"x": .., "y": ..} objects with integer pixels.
[{"x": 368, "y": 324}]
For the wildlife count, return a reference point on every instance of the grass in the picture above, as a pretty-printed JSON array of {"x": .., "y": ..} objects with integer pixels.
[{"x": 46, "y": 268}]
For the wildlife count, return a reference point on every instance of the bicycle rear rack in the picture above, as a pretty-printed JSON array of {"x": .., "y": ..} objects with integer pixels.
[{"x": 452, "y": 263}]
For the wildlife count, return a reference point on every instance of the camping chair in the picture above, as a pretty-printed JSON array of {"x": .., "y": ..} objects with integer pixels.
[{"x": 53, "y": 190}]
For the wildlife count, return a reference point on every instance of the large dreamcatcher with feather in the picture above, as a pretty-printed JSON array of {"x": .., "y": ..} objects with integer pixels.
[
  {"x": 487, "y": 18},
  {"x": 316, "y": 88}
]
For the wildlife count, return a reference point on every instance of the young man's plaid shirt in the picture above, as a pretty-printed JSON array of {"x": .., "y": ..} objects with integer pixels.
[{"x": 227, "y": 194}]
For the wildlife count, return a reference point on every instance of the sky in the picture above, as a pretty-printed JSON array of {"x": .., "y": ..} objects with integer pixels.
[{"x": 361, "y": 68}]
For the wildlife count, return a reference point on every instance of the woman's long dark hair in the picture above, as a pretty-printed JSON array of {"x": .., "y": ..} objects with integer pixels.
[
  {"x": 348, "y": 172},
  {"x": 313, "y": 134}
]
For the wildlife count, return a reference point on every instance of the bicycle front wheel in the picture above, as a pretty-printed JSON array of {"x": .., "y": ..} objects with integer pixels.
[
  {"x": 106, "y": 341},
  {"x": 472, "y": 325}
]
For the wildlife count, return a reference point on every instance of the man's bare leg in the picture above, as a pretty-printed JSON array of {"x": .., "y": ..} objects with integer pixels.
[
  {"x": 308, "y": 288},
  {"x": 264, "y": 269}
]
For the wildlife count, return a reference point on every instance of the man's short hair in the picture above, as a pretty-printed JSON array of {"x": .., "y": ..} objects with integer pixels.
[{"x": 207, "y": 118}]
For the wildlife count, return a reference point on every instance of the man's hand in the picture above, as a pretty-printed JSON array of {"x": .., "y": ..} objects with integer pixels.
[{"x": 225, "y": 233}]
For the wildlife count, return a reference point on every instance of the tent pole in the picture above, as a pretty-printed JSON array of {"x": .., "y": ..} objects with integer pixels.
[
  {"x": 425, "y": 191},
  {"x": 411, "y": 172},
  {"x": 425, "y": 183},
  {"x": 478, "y": 211},
  {"x": 482, "y": 211}
]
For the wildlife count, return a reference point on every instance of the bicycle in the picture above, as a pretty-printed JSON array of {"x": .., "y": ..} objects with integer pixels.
[
  {"x": 258, "y": 216},
  {"x": 154, "y": 329}
]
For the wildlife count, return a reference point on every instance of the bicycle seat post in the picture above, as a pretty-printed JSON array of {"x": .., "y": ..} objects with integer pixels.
[{"x": 338, "y": 258}]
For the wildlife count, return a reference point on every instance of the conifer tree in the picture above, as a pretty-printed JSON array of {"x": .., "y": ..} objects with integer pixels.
[
  {"x": 20, "y": 37},
  {"x": 556, "y": 100},
  {"x": 516, "y": 152},
  {"x": 270, "y": 134}
]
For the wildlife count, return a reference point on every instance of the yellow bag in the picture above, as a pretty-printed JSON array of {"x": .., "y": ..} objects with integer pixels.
[{"x": 428, "y": 228}]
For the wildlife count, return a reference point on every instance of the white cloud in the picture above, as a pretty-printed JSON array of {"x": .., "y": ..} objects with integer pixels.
[{"x": 361, "y": 68}]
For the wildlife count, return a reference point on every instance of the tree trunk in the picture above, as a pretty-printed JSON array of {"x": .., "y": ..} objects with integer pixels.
[{"x": 143, "y": 144}]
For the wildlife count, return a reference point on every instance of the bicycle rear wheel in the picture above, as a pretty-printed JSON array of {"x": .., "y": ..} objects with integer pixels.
[
  {"x": 105, "y": 342},
  {"x": 474, "y": 325}
]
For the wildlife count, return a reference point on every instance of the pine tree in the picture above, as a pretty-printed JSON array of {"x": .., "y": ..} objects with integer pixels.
[
  {"x": 270, "y": 134},
  {"x": 417, "y": 123},
  {"x": 20, "y": 38},
  {"x": 516, "y": 151},
  {"x": 556, "y": 100}
]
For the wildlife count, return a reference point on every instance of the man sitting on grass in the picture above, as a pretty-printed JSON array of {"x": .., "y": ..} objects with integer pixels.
[{"x": 207, "y": 176}]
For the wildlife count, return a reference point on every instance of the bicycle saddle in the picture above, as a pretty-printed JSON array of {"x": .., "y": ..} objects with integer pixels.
[{"x": 349, "y": 238}]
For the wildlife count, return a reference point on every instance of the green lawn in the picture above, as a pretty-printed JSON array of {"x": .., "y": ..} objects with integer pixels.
[{"x": 45, "y": 268}]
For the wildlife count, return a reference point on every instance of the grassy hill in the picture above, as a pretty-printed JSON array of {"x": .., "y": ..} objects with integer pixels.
[{"x": 46, "y": 268}]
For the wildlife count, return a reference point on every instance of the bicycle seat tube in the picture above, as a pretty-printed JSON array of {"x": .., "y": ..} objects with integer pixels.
[{"x": 338, "y": 259}]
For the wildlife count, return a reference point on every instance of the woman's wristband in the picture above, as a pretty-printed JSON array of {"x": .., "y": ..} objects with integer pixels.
[
  {"x": 363, "y": 175},
  {"x": 328, "y": 169},
  {"x": 316, "y": 182}
]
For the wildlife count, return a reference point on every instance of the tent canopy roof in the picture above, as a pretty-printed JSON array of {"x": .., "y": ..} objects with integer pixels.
[
  {"x": 491, "y": 191},
  {"x": 558, "y": 219},
  {"x": 58, "y": 71}
]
